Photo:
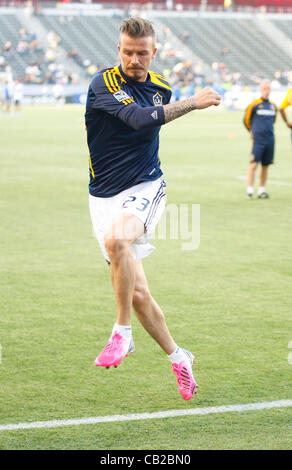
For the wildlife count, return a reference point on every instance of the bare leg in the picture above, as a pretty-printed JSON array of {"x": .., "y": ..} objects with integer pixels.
[
  {"x": 125, "y": 229},
  {"x": 149, "y": 313},
  {"x": 264, "y": 175},
  {"x": 251, "y": 173}
]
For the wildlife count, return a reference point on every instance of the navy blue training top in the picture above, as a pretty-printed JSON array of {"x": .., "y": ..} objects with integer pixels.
[
  {"x": 259, "y": 118},
  {"x": 123, "y": 119}
]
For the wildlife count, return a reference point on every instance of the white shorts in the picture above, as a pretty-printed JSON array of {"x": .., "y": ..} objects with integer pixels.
[{"x": 145, "y": 200}]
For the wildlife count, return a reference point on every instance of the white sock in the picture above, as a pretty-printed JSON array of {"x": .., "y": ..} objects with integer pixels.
[
  {"x": 178, "y": 355},
  {"x": 249, "y": 190},
  {"x": 262, "y": 189},
  {"x": 123, "y": 330}
]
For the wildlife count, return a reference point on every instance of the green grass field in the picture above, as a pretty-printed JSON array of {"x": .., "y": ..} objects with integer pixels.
[{"x": 229, "y": 301}]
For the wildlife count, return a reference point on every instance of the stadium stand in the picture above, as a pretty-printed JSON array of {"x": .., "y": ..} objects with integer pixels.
[
  {"x": 90, "y": 40},
  {"x": 9, "y": 39},
  {"x": 270, "y": 5},
  {"x": 285, "y": 25},
  {"x": 27, "y": 57},
  {"x": 234, "y": 48},
  {"x": 249, "y": 49}
]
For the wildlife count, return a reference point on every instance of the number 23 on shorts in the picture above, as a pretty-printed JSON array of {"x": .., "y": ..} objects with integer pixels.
[{"x": 141, "y": 204}]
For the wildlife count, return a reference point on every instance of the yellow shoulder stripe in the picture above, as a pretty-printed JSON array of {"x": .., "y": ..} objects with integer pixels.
[
  {"x": 112, "y": 84},
  {"x": 106, "y": 81},
  {"x": 159, "y": 76},
  {"x": 157, "y": 80},
  {"x": 115, "y": 79},
  {"x": 249, "y": 109},
  {"x": 110, "y": 80},
  {"x": 117, "y": 72},
  {"x": 115, "y": 85}
]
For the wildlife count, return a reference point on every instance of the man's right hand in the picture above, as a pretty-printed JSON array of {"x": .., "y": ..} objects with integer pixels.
[
  {"x": 203, "y": 99},
  {"x": 206, "y": 97}
]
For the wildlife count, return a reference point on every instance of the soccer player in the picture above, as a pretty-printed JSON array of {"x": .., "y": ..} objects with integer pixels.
[
  {"x": 287, "y": 102},
  {"x": 126, "y": 106},
  {"x": 259, "y": 120}
]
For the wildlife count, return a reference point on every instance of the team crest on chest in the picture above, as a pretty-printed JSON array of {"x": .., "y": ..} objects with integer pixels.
[{"x": 157, "y": 99}]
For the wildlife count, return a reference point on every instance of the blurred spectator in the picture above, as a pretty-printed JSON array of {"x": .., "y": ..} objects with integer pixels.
[
  {"x": 184, "y": 37},
  {"x": 91, "y": 70},
  {"x": 225, "y": 51},
  {"x": 50, "y": 55},
  {"x": 53, "y": 39},
  {"x": 17, "y": 95},
  {"x": 8, "y": 94},
  {"x": 7, "y": 48},
  {"x": 22, "y": 47},
  {"x": 3, "y": 62},
  {"x": 74, "y": 54},
  {"x": 58, "y": 92},
  {"x": 275, "y": 84},
  {"x": 23, "y": 36}
]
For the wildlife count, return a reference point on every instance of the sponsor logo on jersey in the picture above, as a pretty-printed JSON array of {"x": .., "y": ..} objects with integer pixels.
[
  {"x": 121, "y": 95},
  {"x": 266, "y": 112},
  {"x": 157, "y": 99},
  {"x": 154, "y": 115}
]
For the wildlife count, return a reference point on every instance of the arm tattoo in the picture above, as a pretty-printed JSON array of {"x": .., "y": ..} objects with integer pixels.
[{"x": 178, "y": 109}]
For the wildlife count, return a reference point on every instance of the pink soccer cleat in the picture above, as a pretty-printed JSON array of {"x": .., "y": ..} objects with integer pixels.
[
  {"x": 114, "y": 351},
  {"x": 185, "y": 380}
]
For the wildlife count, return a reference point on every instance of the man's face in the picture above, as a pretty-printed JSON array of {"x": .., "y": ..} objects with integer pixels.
[
  {"x": 136, "y": 55},
  {"x": 265, "y": 90}
]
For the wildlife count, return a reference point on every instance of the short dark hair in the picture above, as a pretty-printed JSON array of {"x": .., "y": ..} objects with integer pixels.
[{"x": 136, "y": 27}]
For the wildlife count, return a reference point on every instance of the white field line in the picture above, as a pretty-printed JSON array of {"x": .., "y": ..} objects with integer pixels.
[
  {"x": 280, "y": 183},
  {"x": 155, "y": 415}
]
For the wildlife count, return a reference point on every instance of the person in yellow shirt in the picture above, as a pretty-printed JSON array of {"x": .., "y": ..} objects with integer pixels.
[{"x": 287, "y": 102}]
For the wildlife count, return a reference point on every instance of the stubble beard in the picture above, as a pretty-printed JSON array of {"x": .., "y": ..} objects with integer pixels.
[{"x": 136, "y": 75}]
